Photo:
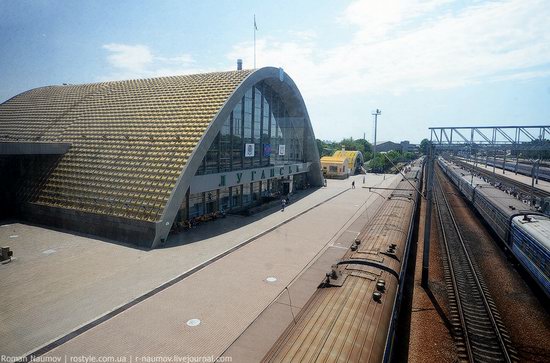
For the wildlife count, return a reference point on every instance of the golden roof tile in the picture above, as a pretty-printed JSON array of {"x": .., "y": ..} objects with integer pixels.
[{"x": 123, "y": 136}]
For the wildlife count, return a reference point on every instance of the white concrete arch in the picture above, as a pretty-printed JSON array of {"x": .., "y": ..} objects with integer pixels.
[{"x": 281, "y": 83}]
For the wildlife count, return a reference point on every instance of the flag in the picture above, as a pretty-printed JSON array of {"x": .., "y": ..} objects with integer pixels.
[{"x": 255, "y": 26}]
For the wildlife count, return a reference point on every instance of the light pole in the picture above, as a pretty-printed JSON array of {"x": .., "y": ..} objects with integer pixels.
[
  {"x": 375, "y": 114},
  {"x": 428, "y": 220}
]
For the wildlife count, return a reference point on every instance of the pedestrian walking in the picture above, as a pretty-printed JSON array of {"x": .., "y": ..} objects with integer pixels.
[
  {"x": 353, "y": 184},
  {"x": 283, "y": 204}
]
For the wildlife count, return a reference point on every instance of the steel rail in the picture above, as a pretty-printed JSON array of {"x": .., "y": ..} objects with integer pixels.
[
  {"x": 476, "y": 341},
  {"x": 463, "y": 331}
]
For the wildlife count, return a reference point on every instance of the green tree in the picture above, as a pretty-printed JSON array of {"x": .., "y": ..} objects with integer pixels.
[
  {"x": 356, "y": 145},
  {"x": 408, "y": 156},
  {"x": 378, "y": 163},
  {"x": 394, "y": 155},
  {"x": 325, "y": 148},
  {"x": 367, "y": 155},
  {"x": 320, "y": 146},
  {"x": 349, "y": 143},
  {"x": 364, "y": 146}
]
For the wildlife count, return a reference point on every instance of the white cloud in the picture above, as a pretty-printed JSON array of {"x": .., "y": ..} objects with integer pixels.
[
  {"x": 378, "y": 18},
  {"x": 412, "y": 44},
  {"x": 390, "y": 47},
  {"x": 139, "y": 61},
  {"x": 129, "y": 57},
  {"x": 184, "y": 59}
]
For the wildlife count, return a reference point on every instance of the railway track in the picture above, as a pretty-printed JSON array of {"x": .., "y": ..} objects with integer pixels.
[
  {"x": 523, "y": 188},
  {"x": 477, "y": 327}
]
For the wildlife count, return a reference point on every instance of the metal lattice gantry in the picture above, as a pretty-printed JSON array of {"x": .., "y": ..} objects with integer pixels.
[
  {"x": 515, "y": 137},
  {"x": 495, "y": 138}
]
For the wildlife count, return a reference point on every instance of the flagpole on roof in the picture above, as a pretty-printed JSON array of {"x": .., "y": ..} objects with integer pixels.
[{"x": 255, "y": 29}]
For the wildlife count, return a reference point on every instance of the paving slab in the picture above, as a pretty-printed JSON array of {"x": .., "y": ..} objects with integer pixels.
[
  {"x": 227, "y": 295},
  {"x": 60, "y": 281},
  {"x": 266, "y": 329}
]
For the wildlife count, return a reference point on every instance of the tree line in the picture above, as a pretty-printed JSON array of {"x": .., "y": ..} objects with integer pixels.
[
  {"x": 382, "y": 162},
  {"x": 327, "y": 148}
]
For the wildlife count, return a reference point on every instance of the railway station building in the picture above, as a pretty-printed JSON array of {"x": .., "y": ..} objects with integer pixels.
[{"x": 127, "y": 159}]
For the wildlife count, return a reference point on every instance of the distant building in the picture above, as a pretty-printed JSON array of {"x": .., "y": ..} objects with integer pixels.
[
  {"x": 335, "y": 167},
  {"x": 355, "y": 159},
  {"x": 387, "y": 146},
  {"x": 342, "y": 164},
  {"x": 403, "y": 146}
]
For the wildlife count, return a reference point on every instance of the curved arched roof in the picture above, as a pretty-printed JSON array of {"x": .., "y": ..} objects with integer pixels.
[
  {"x": 129, "y": 139},
  {"x": 134, "y": 144},
  {"x": 351, "y": 155}
]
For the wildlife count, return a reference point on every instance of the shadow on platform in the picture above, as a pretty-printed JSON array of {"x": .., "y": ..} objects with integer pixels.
[{"x": 230, "y": 222}]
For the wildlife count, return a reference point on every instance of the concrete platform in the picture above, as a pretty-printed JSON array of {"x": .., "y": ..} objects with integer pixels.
[
  {"x": 259, "y": 337},
  {"x": 61, "y": 281},
  {"x": 543, "y": 185}
]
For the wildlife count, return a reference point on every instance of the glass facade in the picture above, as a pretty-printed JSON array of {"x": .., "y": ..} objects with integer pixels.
[
  {"x": 247, "y": 200},
  {"x": 257, "y": 133},
  {"x": 225, "y": 199},
  {"x": 259, "y": 119},
  {"x": 196, "y": 205}
]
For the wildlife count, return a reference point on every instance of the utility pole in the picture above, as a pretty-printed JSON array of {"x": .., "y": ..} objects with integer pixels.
[
  {"x": 428, "y": 221},
  {"x": 494, "y": 166},
  {"x": 504, "y": 163},
  {"x": 375, "y": 114},
  {"x": 471, "y": 164},
  {"x": 538, "y": 169},
  {"x": 255, "y": 30},
  {"x": 534, "y": 176}
]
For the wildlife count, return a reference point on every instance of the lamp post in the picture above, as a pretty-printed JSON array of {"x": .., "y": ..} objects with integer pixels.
[{"x": 375, "y": 114}]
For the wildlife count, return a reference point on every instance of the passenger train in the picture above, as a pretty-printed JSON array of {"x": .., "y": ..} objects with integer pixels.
[
  {"x": 525, "y": 169},
  {"x": 526, "y": 233},
  {"x": 352, "y": 315}
]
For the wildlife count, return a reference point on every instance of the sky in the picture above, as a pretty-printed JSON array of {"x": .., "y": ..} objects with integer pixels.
[{"x": 423, "y": 63}]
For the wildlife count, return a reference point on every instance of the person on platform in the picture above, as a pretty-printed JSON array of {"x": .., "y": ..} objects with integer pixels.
[{"x": 283, "y": 204}]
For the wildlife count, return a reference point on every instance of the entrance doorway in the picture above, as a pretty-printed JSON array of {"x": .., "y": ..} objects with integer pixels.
[{"x": 286, "y": 187}]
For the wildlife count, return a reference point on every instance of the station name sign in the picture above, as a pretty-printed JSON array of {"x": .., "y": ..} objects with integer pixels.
[{"x": 207, "y": 182}]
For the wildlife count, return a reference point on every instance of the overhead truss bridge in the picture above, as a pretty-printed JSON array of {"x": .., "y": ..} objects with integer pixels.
[{"x": 513, "y": 137}]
